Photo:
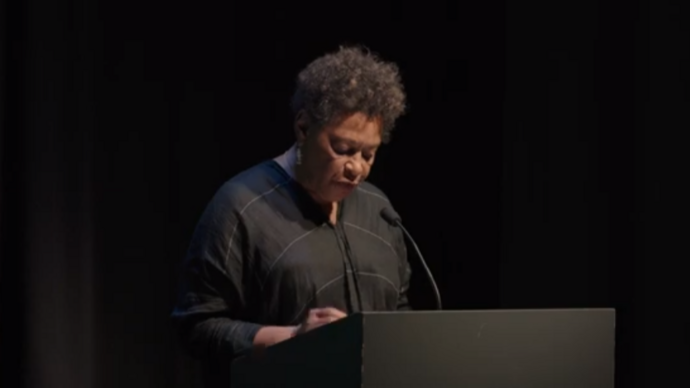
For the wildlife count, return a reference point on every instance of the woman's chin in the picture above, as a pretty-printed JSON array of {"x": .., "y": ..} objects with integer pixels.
[
  {"x": 342, "y": 190},
  {"x": 335, "y": 192}
]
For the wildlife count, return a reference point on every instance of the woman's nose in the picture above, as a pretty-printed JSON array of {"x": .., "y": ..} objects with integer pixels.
[{"x": 353, "y": 170}]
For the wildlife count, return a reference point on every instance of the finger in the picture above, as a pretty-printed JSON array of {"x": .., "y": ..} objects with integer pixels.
[
  {"x": 337, "y": 313},
  {"x": 322, "y": 321},
  {"x": 330, "y": 312},
  {"x": 326, "y": 320},
  {"x": 322, "y": 312},
  {"x": 326, "y": 312}
]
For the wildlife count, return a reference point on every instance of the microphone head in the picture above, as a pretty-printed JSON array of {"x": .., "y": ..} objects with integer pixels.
[{"x": 390, "y": 216}]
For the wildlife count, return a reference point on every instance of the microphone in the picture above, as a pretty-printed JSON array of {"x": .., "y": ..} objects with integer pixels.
[{"x": 393, "y": 218}]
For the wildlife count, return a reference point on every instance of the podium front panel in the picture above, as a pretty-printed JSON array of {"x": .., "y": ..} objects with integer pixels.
[
  {"x": 490, "y": 349},
  {"x": 330, "y": 356}
]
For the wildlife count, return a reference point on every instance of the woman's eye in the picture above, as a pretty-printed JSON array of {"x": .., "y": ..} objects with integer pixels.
[{"x": 342, "y": 151}]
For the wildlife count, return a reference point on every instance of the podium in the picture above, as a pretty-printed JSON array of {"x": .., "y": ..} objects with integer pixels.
[{"x": 565, "y": 348}]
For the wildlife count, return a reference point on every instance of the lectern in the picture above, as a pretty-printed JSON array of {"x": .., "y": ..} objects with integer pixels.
[{"x": 569, "y": 348}]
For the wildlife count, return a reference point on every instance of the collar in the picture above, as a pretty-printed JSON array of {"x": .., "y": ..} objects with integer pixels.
[{"x": 288, "y": 160}]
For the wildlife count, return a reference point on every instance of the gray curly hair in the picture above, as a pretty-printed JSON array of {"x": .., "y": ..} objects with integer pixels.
[{"x": 350, "y": 80}]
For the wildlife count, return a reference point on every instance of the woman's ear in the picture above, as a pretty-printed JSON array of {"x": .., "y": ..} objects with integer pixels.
[{"x": 301, "y": 126}]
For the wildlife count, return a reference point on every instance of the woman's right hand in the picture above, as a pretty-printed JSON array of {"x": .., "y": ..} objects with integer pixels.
[{"x": 319, "y": 317}]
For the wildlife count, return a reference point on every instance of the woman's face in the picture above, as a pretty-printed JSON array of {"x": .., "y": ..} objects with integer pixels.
[{"x": 337, "y": 158}]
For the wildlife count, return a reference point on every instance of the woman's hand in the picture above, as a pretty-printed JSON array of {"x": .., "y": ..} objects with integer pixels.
[{"x": 319, "y": 317}]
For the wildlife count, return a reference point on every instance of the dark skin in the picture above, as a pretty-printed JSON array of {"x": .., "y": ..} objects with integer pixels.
[{"x": 335, "y": 160}]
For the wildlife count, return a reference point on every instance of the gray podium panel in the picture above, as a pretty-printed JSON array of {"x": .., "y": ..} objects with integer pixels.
[{"x": 569, "y": 348}]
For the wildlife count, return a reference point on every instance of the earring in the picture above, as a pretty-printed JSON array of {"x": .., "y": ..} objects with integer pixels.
[{"x": 299, "y": 155}]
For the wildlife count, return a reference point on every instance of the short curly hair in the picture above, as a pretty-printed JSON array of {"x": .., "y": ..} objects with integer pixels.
[{"x": 350, "y": 80}]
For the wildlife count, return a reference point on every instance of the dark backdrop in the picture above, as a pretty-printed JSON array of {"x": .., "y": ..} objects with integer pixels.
[{"x": 541, "y": 164}]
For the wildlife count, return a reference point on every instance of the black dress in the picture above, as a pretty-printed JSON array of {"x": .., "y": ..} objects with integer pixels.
[{"x": 264, "y": 253}]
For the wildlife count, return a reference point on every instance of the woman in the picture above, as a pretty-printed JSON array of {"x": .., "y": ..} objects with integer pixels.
[{"x": 297, "y": 242}]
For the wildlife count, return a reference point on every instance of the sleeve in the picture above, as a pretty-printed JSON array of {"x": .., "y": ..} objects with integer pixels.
[
  {"x": 212, "y": 301},
  {"x": 405, "y": 274}
]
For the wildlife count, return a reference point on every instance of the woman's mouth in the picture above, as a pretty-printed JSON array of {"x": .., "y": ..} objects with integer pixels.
[{"x": 346, "y": 185}]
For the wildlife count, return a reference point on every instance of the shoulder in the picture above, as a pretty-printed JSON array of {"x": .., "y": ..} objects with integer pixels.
[
  {"x": 252, "y": 184},
  {"x": 371, "y": 193},
  {"x": 247, "y": 189},
  {"x": 371, "y": 200}
]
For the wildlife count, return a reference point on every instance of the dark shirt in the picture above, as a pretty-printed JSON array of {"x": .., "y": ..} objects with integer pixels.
[{"x": 264, "y": 253}]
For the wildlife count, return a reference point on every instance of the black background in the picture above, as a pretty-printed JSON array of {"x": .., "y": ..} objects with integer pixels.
[{"x": 541, "y": 164}]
